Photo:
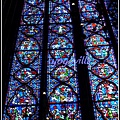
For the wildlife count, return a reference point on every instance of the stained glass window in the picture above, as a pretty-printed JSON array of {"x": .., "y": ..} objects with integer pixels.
[
  {"x": 102, "y": 68},
  {"x": 62, "y": 81},
  {"x": 23, "y": 96}
]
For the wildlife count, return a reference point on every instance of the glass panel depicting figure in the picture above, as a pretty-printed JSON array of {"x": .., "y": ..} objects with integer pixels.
[
  {"x": 102, "y": 67},
  {"x": 23, "y": 96},
  {"x": 62, "y": 82}
]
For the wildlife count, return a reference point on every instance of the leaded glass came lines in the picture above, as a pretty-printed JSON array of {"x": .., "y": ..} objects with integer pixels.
[
  {"x": 102, "y": 68},
  {"x": 62, "y": 82},
  {"x": 23, "y": 96}
]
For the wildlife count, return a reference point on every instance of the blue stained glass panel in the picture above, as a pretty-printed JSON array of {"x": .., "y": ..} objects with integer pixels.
[
  {"x": 62, "y": 94},
  {"x": 62, "y": 73},
  {"x": 102, "y": 66},
  {"x": 62, "y": 81},
  {"x": 59, "y": 12},
  {"x": 23, "y": 93},
  {"x": 32, "y": 14},
  {"x": 30, "y": 30}
]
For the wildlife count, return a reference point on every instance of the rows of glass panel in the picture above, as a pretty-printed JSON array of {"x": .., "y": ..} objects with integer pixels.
[
  {"x": 102, "y": 68},
  {"x": 62, "y": 82},
  {"x": 23, "y": 96}
]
